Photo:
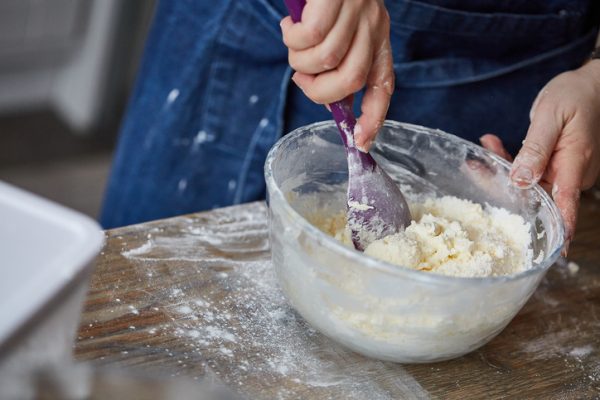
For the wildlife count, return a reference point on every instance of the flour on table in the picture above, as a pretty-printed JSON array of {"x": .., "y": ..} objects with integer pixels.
[
  {"x": 573, "y": 268},
  {"x": 580, "y": 352},
  {"x": 233, "y": 322},
  {"x": 138, "y": 250}
]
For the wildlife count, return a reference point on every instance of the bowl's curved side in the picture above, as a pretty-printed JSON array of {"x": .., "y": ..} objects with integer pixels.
[
  {"x": 374, "y": 308},
  {"x": 384, "y": 316}
]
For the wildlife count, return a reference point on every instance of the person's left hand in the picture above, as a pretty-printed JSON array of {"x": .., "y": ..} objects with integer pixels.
[{"x": 562, "y": 148}]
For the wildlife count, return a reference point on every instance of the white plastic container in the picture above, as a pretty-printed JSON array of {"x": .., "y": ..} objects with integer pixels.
[{"x": 46, "y": 256}]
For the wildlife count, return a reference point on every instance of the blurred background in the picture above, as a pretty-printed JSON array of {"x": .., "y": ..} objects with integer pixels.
[{"x": 66, "y": 70}]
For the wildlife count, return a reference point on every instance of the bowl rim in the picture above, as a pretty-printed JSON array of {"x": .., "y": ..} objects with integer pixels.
[{"x": 394, "y": 269}]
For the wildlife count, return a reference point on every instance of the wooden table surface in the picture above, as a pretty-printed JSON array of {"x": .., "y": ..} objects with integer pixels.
[{"x": 195, "y": 296}]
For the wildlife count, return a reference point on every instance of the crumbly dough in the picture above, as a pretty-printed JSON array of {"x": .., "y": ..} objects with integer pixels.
[{"x": 452, "y": 236}]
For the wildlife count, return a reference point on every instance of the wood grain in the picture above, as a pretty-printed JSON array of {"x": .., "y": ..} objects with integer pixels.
[{"x": 195, "y": 296}]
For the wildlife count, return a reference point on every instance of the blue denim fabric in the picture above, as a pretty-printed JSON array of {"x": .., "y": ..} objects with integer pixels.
[{"x": 214, "y": 92}]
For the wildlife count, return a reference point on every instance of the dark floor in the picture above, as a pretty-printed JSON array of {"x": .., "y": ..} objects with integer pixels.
[{"x": 39, "y": 153}]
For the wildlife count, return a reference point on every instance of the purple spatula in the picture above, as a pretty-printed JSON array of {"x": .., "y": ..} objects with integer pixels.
[{"x": 376, "y": 207}]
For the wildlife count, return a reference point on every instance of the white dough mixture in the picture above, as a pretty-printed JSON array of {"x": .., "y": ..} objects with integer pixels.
[{"x": 452, "y": 236}]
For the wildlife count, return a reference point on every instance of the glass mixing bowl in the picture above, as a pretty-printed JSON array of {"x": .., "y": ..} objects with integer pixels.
[{"x": 383, "y": 310}]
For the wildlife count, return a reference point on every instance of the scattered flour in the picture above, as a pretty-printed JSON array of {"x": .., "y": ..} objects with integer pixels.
[
  {"x": 184, "y": 309},
  {"x": 580, "y": 352},
  {"x": 359, "y": 206},
  {"x": 573, "y": 268},
  {"x": 138, "y": 250},
  {"x": 235, "y": 322},
  {"x": 265, "y": 337},
  {"x": 226, "y": 351}
]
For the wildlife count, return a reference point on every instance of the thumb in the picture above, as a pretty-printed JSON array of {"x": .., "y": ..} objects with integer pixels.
[
  {"x": 376, "y": 101},
  {"x": 538, "y": 146}
]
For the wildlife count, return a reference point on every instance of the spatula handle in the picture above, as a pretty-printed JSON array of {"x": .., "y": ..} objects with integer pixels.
[{"x": 295, "y": 8}]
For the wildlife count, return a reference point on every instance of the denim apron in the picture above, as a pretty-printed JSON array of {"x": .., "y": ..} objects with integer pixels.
[{"x": 214, "y": 92}]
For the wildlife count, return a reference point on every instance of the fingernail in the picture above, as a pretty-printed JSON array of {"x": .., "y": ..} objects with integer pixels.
[
  {"x": 568, "y": 238},
  {"x": 358, "y": 129},
  {"x": 522, "y": 177},
  {"x": 357, "y": 133},
  {"x": 554, "y": 191},
  {"x": 296, "y": 82},
  {"x": 327, "y": 107},
  {"x": 565, "y": 249},
  {"x": 365, "y": 147},
  {"x": 389, "y": 89}
]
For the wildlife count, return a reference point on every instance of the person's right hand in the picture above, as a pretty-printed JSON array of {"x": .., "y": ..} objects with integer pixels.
[{"x": 338, "y": 48}]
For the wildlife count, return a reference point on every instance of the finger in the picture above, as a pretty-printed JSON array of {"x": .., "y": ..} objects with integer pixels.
[
  {"x": 348, "y": 78},
  {"x": 350, "y": 101},
  {"x": 318, "y": 17},
  {"x": 530, "y": 163},
  {"x": 494, "y": 144},
  {"x": 303, "y": 80},
  {"x": 536, "y": 102},
  {"x": 547, "y": 186},
  {"x": 329, "y": 53},
  {"x": 566, "y": 192},
  {"x": 376, "y": 101}
]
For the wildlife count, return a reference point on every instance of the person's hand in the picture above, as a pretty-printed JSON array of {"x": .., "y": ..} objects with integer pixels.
[
  {"x": 562, "y": 148},
  {"x": 338, "y": 48}
]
